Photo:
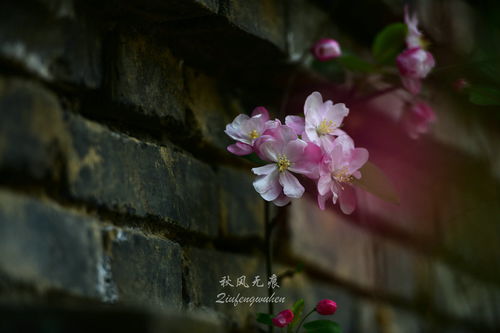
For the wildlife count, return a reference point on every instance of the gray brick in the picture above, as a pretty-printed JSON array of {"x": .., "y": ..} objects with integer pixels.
[
  {"x": 31, "y": 128},
  {"x": 262, "y": 18},
  {"x": 242, "y": 209},
  {"x": 141, "y": 179},
  {"x": 205, "y": 268},
  {"x": 465, "y": 297},
  {"x": 148, "y": 78},
  {"x": 397, "y": 269},
  {"x": 145, "y": 270},
  {"x": 52, "y": 249},
  {"x": 327, "y": 240},
  {"x": 51, "y": 41}
]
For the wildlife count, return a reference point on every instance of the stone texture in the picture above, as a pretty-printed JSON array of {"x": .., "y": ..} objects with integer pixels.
[
  {"x": 462, "y": 296},
  {"x": 205, "y": 268},
  {"x": 31, "y": 128},
  {"x": 51, "y": 41},
  {"x": 147, "y": 271},
  {"x": 148, "y": 78},
  {"x": 262, "y": 18},
  {"x": 141, "y": 179},
  {"x": 397, "y": 269},
  {"x": 326, "y": 240},
  {"x": 49, "y": 248},
  {"x": 242, "y": 209}
]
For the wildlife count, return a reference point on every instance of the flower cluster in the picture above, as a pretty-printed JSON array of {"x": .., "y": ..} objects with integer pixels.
[
  {"x": 313, "y": 146},
  {"x": 414, "y": 64}
]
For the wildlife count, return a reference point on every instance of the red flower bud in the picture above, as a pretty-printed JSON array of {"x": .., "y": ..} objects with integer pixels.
[
  {"x": 283, "y": 318},
  {"x": 326, "y": 49},
  {"x": 326, "y": 307}
]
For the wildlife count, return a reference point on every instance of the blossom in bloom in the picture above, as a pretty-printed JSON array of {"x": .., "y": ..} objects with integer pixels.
[
  {"x": 245, "y": 130},
  {"x": 322, "y": 120},
  {"x": 326, "y": 49},
  {"x": 276, "y": 182},
  {"x": 340, "y": 166},
  {"x": 283, "y": 318},
  {"x": 418, "y": 118},
  {"x": 414, "y": 64},
  {"x": 326, "y": 307}
]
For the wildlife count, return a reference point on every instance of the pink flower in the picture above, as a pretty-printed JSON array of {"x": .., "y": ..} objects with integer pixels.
[
  {"x": 414, "y": 36},
  {"x": 323, "y": 120},
  {"x": 297, "y": 123},
  {"x": 326, "y": 307},
  {"x": 246, "y": 130},
  {"x": 418, "y": 118},
  {"x": 326, "y": 49},
  {"x": 414, "y": 65},
  {"x": 283, "y": 318},
  {"x": 340, "y": 166},
  {"x": 275, "y": 182}
]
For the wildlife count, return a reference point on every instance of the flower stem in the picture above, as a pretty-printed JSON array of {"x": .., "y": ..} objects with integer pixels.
[
  {"x": 303, "y": 319},
  {"x": 269, "y": 264}
]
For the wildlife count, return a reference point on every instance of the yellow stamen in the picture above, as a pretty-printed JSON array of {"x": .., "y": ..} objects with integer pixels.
[
  {"x": 342, "y": 175},
  {"x": 253, "y": 134},
  {"x": 325, "y": 127},
  {"x": 283, "y": 163}
]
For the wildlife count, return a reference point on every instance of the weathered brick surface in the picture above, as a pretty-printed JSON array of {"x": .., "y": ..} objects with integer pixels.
[
  {"x": 147, "y": 77},
  {"x": 205, "y": 268},
  {"x": 31, "y": 128},
  {"x": 43, "y": 245},
  {"x": 242, "y": 209},
  {"x": 55, "y": 42},
  {"x": 462, "y": 296},
  {"x": 145, "y": 270},
  {"x": 142, "y": 179},
  {"x": 331, "y": 243},
  {"x": 263, "y": 18}
]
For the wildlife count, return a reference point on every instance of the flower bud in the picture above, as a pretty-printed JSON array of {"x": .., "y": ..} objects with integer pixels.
[
  {"x": 283, "y": 318},
  {"x": 326, "y": 49},
  {"x": 415, "y": 63},
  {"x": 326, "y": 307}
]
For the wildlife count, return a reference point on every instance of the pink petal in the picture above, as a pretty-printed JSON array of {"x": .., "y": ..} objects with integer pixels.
[
  {"x": 265, "y": 170},
  {"x": 291, "y": 186},
  {"x": 268, "y": 186},
  {"x": 347, "y": 200},
  {"x": 324, "y": 184},
  {"x": 269, "y": 150},
  {"x": 234, "y": 129},
  {"x": 294, "y": 150},
  {"x": 313, "y": 102},
  {"x": 359, "y": 156},
  {"x": 336, "y": 114},
  {"x": 240, "y": 149},
  {"x": 262, "y": 112},
  {"x": 282, "y": 200},
  {"x": 322, "y": 200},
  {"x": 296, "y": 123},
  {"x": 309, "y": 164}
]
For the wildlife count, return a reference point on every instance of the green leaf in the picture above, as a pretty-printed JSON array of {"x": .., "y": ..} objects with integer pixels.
[
  {"x": 353, "y": 63},
  {"x": 484, "y": 95},
  {"x": 374, "y": 181},
  {"x": 322, "y": 326},
  {"x": 388, "y": 43},
  {"x": 297, "y": 309},
  {"x": 264, "y": 318}
]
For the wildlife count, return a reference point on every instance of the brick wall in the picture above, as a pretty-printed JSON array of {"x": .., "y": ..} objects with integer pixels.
[{"x": 120, "y": 206}]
